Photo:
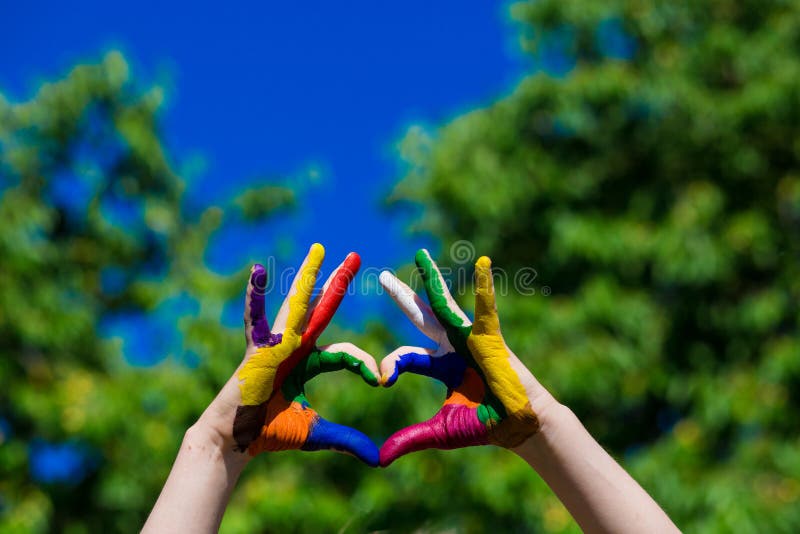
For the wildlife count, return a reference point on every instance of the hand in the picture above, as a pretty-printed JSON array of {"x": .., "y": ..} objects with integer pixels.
[
  {"x": 490, "y": 394},
  {"x": 271, "y": 411}
]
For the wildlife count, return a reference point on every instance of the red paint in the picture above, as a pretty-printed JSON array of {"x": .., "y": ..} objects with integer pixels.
[{"x": 321, "y": 316}]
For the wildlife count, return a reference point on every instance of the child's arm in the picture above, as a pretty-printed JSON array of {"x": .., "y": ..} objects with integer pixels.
[{"x": 263, "y": 406}]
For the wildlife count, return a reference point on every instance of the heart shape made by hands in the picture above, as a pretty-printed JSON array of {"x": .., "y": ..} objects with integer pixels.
[{"x": 488, "y": 397}]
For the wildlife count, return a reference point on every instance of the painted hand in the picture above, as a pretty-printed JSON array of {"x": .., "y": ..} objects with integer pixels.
[
  {"x": 489, "y": 389},
  {"x": 274, "y": 413}
]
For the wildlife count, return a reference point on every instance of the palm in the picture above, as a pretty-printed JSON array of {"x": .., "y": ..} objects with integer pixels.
[
  {"x": 488, "y": 399},
  {"x": 274, "y": 413}
]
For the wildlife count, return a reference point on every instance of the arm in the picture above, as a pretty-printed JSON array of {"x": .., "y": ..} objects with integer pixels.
[
  {"x": 199, "y": 485},
  {"x": 494, "y": 399},
  {"x": 597, "y": 491},
  {"x": 263, "y": 407}
]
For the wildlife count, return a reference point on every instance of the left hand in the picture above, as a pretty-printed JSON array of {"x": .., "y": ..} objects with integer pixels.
[{"x": 263, "y": 407}]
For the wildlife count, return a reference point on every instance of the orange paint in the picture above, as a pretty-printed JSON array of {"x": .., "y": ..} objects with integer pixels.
[
  {"x": 286, "y": 427},
  {"x": 471, "y": 391}
]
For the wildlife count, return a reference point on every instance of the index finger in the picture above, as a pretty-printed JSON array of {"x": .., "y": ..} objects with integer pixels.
[{"x": 415, "y": 309}]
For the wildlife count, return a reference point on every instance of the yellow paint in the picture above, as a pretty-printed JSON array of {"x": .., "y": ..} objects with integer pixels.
[
  {"x": 298, "y": 303},
  {"x": 487, "y": 346},
  {"x": 486, "y": 319},
  {"x": 257, "y": 376}
]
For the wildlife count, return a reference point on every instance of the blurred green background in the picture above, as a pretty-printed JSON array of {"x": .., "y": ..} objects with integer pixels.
[{"x": 646, "y": 166}]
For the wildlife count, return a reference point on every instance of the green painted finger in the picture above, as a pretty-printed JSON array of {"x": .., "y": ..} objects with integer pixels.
[
  {"x": 439, "y": 296},
  {"x": 444, "y": 307},
  {"x": 340, "y": 356}
]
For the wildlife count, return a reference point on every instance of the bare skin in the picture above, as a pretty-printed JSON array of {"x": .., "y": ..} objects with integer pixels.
[{"x": 597, "y": 491}]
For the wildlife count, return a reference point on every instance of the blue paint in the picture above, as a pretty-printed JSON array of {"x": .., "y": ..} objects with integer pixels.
[
  {"x": 326, "y": 435},
  {"x": 448, "y": 368}
]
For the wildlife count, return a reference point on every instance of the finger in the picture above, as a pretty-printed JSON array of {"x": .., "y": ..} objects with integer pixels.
[
  {"x": 444, "y": 307},
  {"x": 453, "y": 427},
  {"x": 486, "y": 320},
  {"x": 339, "y": 356},
  {"x": 447, "y": 368},
  {"x": 318, "y": 296},
  {"x": 293, "y": 310},
  {"x": 284, "y": 426},
  {"x": 327, "y": 435},
  {"x": 256, "y": 326},
  {"x": 332, "y": 295},
  {"x": 415, "y": 309},
  {"x": 489, "y": 350}
]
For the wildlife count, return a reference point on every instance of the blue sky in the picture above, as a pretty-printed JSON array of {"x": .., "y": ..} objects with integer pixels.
[{"x": 265, "y": 89}]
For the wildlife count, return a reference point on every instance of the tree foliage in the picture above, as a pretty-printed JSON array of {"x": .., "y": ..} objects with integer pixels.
[
  {"x": 653, "y": 184},
  {"x": 648, "y": 172}
]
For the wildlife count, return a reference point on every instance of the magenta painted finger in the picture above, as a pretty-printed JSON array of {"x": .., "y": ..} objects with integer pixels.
[
  {"x": 256, "y": 323},
  {"x": 453, "y": 427}
]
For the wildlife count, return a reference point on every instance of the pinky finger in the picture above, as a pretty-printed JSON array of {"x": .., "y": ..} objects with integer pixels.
[
  {"x": 327, "y": 435},
  {"x": 453, "y": 427}
]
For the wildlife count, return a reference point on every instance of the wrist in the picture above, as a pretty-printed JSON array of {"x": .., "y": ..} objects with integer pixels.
[
  {"x": 206, "y": 439},
  {"x": 552, "y": 417}
]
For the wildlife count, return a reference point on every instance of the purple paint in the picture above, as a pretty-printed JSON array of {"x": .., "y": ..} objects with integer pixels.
[
  {"x": 258, "y": 315},
  {"x": 453, "y": 427}
]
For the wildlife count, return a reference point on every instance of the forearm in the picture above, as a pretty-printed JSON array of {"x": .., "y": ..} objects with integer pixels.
[
  {"x": 599, "y": 494},
  {"x": 199, "y": 486}
]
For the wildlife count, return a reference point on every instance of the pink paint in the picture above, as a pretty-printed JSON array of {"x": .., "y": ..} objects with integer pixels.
[{"x": 453, "y": 427}]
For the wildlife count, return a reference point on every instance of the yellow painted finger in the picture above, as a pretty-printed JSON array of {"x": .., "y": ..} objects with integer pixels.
[
  {"x": 303, "y": 289},
  {"x": 488, "y": 347},
  {"x": 486, "y": 320}
]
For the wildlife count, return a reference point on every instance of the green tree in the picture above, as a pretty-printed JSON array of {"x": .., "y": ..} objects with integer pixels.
[
  {"x": 93, "y": 229},
  {"x": 651, "y": 178},
  {"x": 122, "y": 244}
]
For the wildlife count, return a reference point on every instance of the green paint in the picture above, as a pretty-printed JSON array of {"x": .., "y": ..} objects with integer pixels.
[
  {"x": 302, "y": 399},
  {"x": 457, "y": 331},
  {"x": 318, "y": 362},
  {"x": 486, "y": 414},
  {"x": 293, "y": 386},
  {"x": 325, "y": 362}
]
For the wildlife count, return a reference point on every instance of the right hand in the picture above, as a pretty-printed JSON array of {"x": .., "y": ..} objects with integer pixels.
[{"x": 491, "y": 394}]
